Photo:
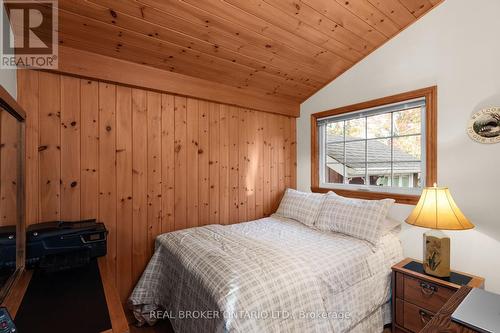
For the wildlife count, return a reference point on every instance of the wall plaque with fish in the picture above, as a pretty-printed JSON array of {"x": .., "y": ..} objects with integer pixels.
[{"x": 484, "y": 126}]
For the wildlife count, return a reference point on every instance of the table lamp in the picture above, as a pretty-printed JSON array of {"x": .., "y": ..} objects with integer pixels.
[{"x": 437, "y": 210}]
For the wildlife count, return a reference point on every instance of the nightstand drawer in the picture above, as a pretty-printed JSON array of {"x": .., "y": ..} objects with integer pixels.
[
  {"x": 413, "y": 318},
  {"x": 416, "y": 296},
  {"x": 427, "y": 295}
]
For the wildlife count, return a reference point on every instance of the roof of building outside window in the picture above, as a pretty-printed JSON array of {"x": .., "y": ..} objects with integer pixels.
[{"x": 379, "y": 157}]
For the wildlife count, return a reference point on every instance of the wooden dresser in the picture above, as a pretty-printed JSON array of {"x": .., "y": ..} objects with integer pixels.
[{"x": 418, "y": 297}]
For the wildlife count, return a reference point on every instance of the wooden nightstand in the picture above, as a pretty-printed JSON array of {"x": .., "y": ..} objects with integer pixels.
[{"x": 417, "y": 297}]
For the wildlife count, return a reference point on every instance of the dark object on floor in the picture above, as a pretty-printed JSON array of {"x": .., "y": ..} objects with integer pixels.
[
  {"x": 6, "y": 323},
  {"x": 5, "y": 274},
  {"x": 8, "y": 247},
  {"x": 61, "y": 245},
  {"x": 162, "y": 326},
  {"x": 65, "y": 301}
]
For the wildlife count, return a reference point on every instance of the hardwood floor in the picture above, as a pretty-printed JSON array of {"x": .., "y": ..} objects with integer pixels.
[
  {"x": 161, "y": 327},
  {"x": 164, "y": 327}
]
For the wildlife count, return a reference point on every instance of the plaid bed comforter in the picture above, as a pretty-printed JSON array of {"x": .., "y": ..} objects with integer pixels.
[{"x": 269, "y": 275}]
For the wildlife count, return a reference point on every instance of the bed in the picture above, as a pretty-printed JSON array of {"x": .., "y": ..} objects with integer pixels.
[{"x": 270, "y": 275}]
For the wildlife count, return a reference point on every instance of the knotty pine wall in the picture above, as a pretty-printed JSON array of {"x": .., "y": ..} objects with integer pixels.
[
  {"x": 10, "y": 130},
  {"x": 145, "y": 163}
]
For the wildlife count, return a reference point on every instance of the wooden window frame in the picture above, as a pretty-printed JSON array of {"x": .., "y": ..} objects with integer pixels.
[{"x": 430, "y": 95}]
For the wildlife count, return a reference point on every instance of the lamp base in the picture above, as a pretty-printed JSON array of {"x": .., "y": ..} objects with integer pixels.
[{"x": 436, "y": 253}]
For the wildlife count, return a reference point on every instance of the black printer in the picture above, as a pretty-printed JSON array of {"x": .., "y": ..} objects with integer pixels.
[
  {"x": 57, "y": 245},
  {"x": 7, "y": 247}
]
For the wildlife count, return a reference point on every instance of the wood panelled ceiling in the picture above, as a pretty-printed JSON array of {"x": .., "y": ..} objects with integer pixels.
[{"x": 283, "y": 48}]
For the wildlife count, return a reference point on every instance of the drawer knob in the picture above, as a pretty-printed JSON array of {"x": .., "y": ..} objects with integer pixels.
[
  {"x": 424, "y": 317},
  {"x": 427, "y": 289}
]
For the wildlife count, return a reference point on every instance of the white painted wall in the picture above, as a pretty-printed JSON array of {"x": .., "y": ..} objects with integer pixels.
[
  {"x": 8, "y": 76},
  {"x": 456, "y": 47}
]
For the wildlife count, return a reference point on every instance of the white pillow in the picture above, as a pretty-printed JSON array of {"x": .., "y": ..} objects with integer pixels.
[
  {"x": 300, "y": 206},
  {"x": 389, "y": 225},
  {"x": 363, "y": 219}
]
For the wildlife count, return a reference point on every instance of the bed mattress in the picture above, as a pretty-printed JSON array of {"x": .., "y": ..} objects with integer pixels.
[{"x": 268, "y": 275}]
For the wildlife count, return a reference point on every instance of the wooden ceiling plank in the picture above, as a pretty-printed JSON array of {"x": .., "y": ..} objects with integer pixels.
[
  {"x": 91, "y": 65},
  {"x": 279, "y": 49},
  {"x": 371, "y": 15},
  {"x": 417, "y": 7},
  {"x": 230, "y": 19},
  {"x": 308, "y": 15},
  {"x": 128, "y": 51},
  {"x": 278, "y": 13},
  {"x": 238, "y": 39},
  {"x": 147, "y": 28},
  {"x": 129, "y": 54},
  {"x": 348, "y": 20},
  {"x": 435, "y": 2},
  {"x": 289, "y": 23},
  {"x": 181, "y": 59},
  {"x": 256, "y": 25},
  {"x": 395, "y": 11},
  {"x": 205, "y": 12}
]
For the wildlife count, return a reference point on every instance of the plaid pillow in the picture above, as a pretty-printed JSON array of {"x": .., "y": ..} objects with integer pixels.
[
  {"x": 300, "y": 206},
  {"x": 363, "y": 219}
]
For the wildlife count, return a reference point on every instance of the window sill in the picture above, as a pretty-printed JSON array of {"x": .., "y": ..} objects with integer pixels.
[{"x": 406, "y": 199}]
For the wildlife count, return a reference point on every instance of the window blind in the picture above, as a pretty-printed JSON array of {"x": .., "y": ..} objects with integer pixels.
[{"x": 406, "y": 105}]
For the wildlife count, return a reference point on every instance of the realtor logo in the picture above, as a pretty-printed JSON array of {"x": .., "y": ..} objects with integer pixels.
[{"x": 29, "y": 34}]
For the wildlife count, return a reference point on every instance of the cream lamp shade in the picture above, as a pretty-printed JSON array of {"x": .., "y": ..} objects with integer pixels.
[{"x": 436, "y": 209}]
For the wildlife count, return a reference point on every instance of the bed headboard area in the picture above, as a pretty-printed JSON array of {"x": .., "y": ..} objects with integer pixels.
[{"x": 145, "y": 162}]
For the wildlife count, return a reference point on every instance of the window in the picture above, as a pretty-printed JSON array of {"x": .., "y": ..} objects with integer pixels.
[{"x": 376, "y": 149}]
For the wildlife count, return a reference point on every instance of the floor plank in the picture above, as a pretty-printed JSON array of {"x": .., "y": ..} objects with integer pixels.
[
  {"x": 161, "y": 327},
  {"x": 164, "y": 327}
]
